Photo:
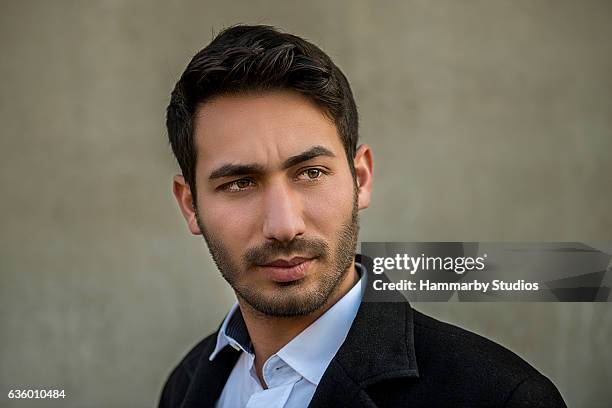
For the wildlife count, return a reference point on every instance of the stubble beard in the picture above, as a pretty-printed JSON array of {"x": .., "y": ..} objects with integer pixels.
[{"x": 290, "y": 299}]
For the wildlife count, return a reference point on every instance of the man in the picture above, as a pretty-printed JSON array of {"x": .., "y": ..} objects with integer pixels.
[{"x": 264, "y": 127}]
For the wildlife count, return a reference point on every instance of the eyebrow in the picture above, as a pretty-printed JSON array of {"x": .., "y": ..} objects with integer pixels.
[{"x": 232, "y": 170}]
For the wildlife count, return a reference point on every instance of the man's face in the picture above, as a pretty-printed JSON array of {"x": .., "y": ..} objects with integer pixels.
[{"x": 276, "y": 200}]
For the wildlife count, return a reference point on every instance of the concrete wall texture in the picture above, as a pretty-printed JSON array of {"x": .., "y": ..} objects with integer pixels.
[{"x": 489, "y": 120}]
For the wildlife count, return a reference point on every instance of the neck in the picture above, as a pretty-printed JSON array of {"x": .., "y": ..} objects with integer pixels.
[{"x": 269, "y": 334}]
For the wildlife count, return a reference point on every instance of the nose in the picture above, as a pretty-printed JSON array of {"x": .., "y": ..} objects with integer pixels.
[{"x": 282, "y": 214}]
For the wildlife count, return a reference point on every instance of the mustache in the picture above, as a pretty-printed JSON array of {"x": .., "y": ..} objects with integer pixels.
[{"x": 268, "y": 252}]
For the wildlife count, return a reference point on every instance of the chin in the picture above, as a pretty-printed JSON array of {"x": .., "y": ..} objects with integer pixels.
[{"x": 288, "y": 299}]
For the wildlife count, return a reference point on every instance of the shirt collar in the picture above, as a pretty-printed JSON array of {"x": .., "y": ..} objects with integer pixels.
[
  {"x": 311, "y": 351},
  {"x": 233, "y": 332}
]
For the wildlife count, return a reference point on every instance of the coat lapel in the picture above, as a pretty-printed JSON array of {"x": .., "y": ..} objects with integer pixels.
[
  {"x": 210, "y": 377},
  {"x": 378, "y": 347}
]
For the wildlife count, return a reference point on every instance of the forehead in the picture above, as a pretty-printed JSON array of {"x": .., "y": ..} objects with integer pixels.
[{"x": 261, "y": 127}]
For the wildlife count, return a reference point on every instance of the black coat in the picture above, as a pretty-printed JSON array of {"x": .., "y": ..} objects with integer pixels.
[{"x": 393, "y": 356}]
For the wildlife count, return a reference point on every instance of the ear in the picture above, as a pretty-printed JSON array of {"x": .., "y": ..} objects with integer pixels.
[
  {"x": 364, "y": 172},
  {"x": 184, "y": 198}
]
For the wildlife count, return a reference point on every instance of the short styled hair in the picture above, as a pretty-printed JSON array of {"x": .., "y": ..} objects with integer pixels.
[{"x": 258, "y": 58}]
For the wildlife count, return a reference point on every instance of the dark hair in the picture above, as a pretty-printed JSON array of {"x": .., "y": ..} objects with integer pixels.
[{"x": 258, "y": 58}]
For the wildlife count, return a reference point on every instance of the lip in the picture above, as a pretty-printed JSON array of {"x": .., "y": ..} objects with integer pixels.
[{"x": 282, "y": 270}]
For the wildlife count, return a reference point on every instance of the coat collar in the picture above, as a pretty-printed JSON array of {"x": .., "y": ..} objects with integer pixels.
[{"x": 378, "y": 347}]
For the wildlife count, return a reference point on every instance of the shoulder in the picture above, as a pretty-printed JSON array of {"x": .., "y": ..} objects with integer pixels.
[
  {"x": 179, "y": 379},
  {"x": 436, "y": 340},
  {"x": 465, "y": 361}
]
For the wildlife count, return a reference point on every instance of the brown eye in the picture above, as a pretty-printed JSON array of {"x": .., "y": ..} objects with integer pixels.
[
  {"x": 238, "y": 186},
  {"x": 313, "y": 173},
  {"x": 243, "y": 183}
]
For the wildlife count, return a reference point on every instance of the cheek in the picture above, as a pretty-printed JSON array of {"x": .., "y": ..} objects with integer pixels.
[
  {"x": 228, "y": 223},
  {"x": 327, "y": 210}
]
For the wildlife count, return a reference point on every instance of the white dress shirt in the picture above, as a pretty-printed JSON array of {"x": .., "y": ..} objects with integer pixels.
[{"x": 293, "y": 373}]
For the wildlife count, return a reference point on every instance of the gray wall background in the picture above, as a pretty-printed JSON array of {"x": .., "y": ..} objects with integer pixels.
[{"x": 489, "y": 120}]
